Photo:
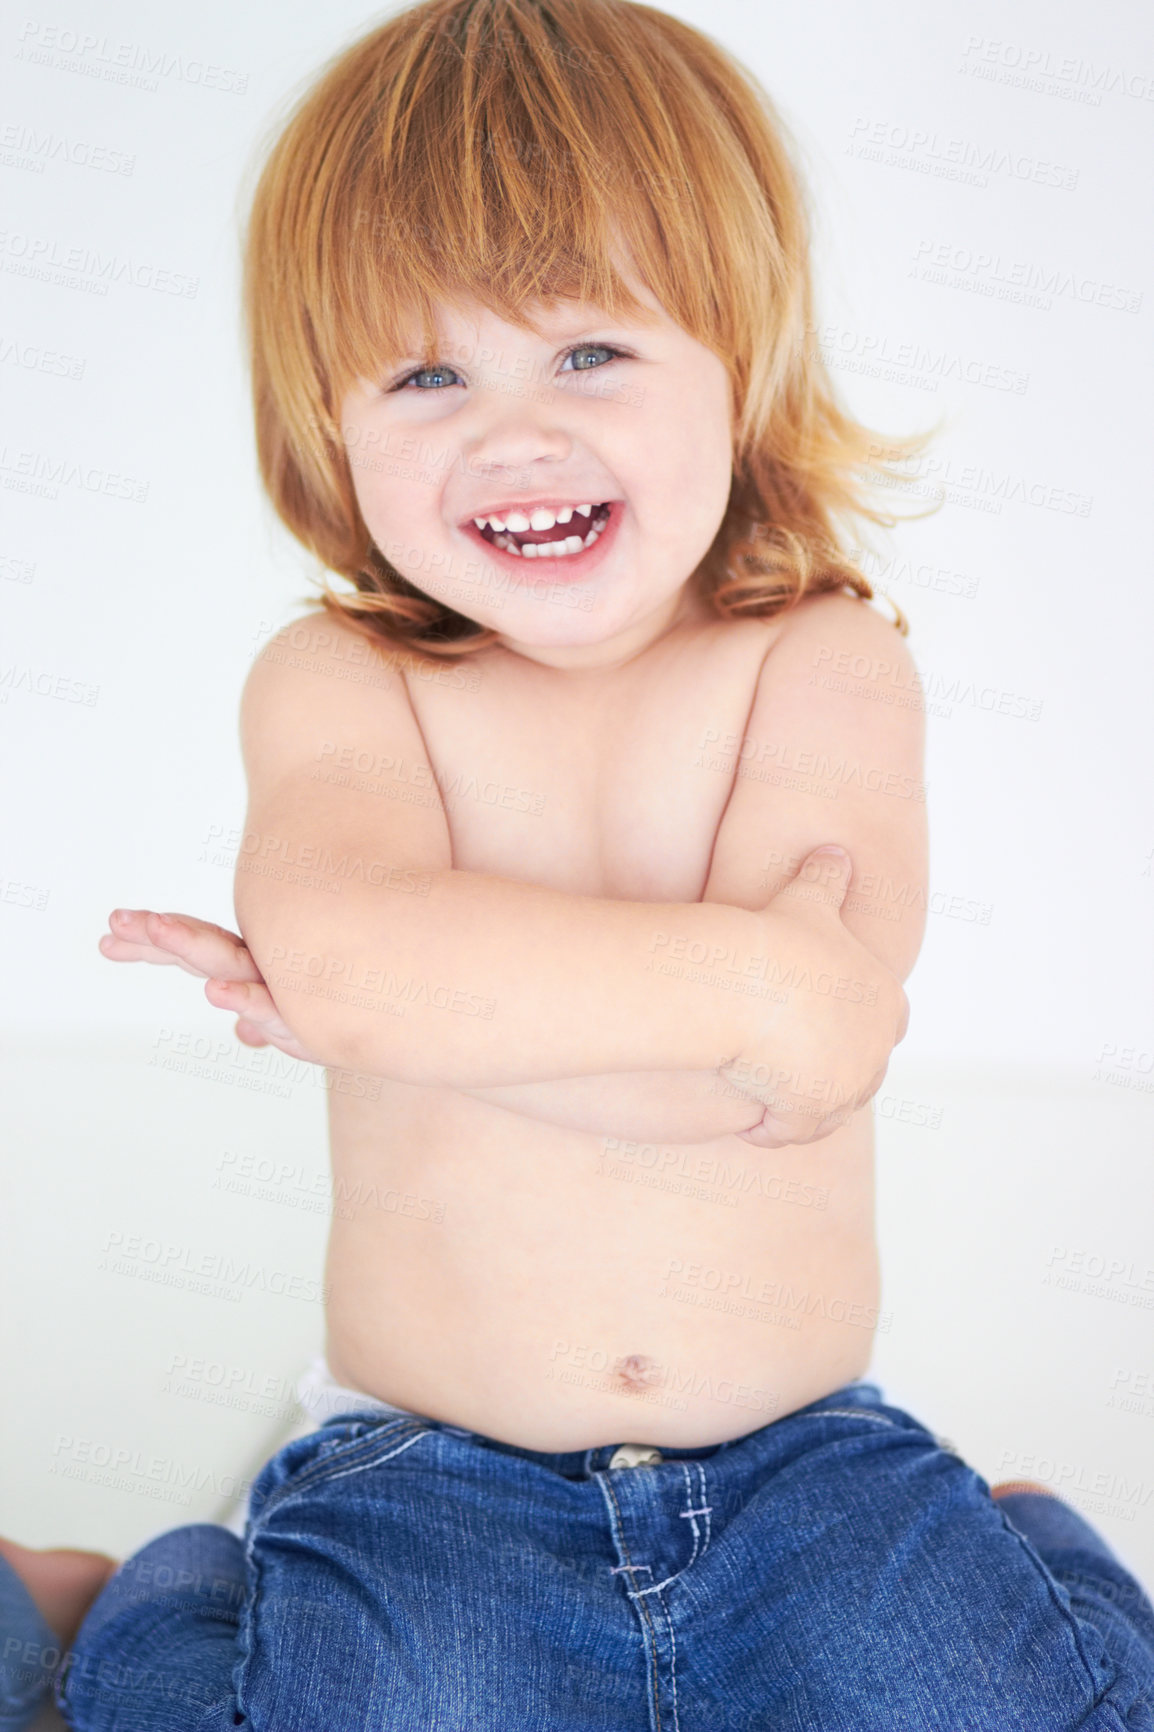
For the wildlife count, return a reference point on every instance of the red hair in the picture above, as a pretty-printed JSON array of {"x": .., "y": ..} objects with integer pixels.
[{"x": 486, "y": 149}]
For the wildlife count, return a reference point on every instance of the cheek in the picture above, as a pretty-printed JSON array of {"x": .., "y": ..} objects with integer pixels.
[
  {"x": 384, "y": 500},
  {"x": 361, "y": 455},
  {"x": 361, "y": 477},
  {"x": 698, "y": 455}
]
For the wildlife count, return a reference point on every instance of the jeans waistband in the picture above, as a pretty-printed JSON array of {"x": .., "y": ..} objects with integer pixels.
[
  {"x": 326, "y": 1400},
  {"x": 581, "y": 1463}
]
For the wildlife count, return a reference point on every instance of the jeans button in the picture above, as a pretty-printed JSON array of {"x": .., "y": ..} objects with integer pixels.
[{"x": 635, "y": 1455}]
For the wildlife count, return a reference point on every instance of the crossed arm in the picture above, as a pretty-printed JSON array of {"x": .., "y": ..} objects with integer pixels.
[
  {"x": 550, "y": 1004},
  {"x": 616, "y": 1009}
]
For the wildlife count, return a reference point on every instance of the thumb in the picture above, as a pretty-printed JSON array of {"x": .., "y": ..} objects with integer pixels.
[{"x": 823, "y": 877}]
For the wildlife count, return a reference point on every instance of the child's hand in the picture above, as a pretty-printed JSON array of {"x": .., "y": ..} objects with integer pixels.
[
  {"x": 234, "y": 982},
  {"x": 823, "y": 1059}
]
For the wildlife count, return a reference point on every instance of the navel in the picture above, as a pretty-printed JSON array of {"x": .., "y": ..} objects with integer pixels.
[{"x": 637, "y": 1371}]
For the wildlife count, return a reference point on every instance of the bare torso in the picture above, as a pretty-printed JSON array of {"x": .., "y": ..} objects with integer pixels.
[{"x": 650, "y": 1277}]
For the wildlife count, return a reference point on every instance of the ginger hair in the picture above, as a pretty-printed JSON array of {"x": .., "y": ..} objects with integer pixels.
[{"x": 491, "y": 150}]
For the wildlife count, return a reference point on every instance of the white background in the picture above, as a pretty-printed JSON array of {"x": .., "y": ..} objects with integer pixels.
[{"x": 1014, "y": 1126}]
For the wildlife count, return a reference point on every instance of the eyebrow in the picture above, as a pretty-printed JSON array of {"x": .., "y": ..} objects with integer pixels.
[{"x": 561, "y": 334}]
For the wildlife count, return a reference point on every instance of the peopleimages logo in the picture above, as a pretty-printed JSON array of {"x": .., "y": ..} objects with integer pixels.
[
  {"x": 25, "y": 147},
  {"x": 119, "y": 62},
  {"x": 1024, "y": 282},
  {"x": 1031, "y": 67},
  {"x": 48, "y": 260},
  {"x": 211, "y": 1273},
  {"x": 920, "y": 148}
]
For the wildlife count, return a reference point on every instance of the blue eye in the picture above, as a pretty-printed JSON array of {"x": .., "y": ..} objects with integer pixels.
[
  {"x": 577, "y": 349},
  {"x": 422, "y": 372},
  {"x": 584, "y": 348}
]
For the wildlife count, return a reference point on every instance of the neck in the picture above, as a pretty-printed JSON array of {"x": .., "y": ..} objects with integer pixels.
[{"x": 682, "y": 608}]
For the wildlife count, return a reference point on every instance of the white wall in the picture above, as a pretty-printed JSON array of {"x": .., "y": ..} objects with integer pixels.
[
  {"x": 1029, "y": 590},
  {"x": 1036, "y": 966}
]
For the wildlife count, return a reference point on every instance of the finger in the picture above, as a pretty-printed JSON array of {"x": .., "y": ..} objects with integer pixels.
[
  {"x": 822, "y": 879},
  {"x": 757, "y": 1136},
  {"x": 139, "y": 935},
  {"x": 250, "y": 1033},
  {"x": 252, "y": 1002},
  {"x": 773, "y": 1132},
  {"x": 248, "y": 998},
  {"x": 203, "y": 947},
  {"x": 905, "y": 1019},
  {"x": 832, "y": 1122},
  {"x": 867, "y": 1094},
  {"x": 200, "y": 947},
  {"x": 118, "y": 948}
]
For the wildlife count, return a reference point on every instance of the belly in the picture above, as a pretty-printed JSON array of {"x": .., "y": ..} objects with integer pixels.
[{"x": 559, "y": 1289}]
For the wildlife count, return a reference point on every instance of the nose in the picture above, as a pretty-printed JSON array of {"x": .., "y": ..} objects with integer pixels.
[{"x": 512, "y": 436}]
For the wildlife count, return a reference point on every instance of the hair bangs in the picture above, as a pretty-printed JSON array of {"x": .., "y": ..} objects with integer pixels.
[
  {"x": 513, "y": 165},
  {"x": 513, "y": 152}
]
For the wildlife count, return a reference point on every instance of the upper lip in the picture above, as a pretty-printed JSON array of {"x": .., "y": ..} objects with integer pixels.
[{"x": 528, "y": 506}]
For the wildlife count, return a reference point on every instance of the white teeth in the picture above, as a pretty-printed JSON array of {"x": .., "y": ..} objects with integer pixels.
[
  {"x": 540, "y": 518},
  {"x": 517, "y": 523},
  {"x": 552, "y": 549}
]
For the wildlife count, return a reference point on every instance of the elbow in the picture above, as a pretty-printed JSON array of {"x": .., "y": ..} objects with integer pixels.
[
  {"x": 337, "y": 1010},
  {"x": 298, "y": 972},
  {"x": 336, "y": 968},
  {"x": 308, "y": 1008}
]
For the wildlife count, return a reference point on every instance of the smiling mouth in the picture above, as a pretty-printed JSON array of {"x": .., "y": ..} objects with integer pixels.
[{"x": 563, "y": 541}]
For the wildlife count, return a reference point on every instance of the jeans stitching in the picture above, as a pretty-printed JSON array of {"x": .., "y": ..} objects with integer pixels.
[
  {"x": 617, "y": 1527},
  {"x": 373, "y": 1461},
  {"x": 706, "y": 1509},
  {"x": 1074, "y": 1630},
  {"x": 847, "y": 1413},
  {"x": 672, "y": 1663},
  {"x": 690, "y": 1513},
  {"x": 316, "y": 1471},
  {"x": 246, "y": 1634}
]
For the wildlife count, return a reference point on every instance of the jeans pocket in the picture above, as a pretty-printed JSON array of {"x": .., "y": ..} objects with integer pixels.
[{"x": 307, "y": 1460}]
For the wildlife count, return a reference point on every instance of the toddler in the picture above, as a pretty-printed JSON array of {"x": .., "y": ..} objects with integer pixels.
[{"x": 586, "y": 847}]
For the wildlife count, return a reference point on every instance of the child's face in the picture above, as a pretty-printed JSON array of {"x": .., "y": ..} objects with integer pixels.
[{"x": 509, "y": 418}]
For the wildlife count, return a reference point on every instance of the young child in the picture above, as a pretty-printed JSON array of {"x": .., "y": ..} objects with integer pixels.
[{"x": 533, "y": 862}]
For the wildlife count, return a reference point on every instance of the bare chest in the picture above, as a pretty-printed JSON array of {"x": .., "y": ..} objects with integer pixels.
[{"x": 610, "y": 786}]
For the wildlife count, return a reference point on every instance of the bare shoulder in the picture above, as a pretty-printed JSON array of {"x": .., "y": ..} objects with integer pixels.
[
  {"x": 828, "y": 642},
  {"x": 320, "y": 686},
  {"x": 842, "y": 676},
  {"x": 319, "y": 642},
  {"x": 833, "y": 751},
  {"x": 340, "y": 794},
  {"x": 841, "y": 629},
  {"x": 839, "y": 665}
]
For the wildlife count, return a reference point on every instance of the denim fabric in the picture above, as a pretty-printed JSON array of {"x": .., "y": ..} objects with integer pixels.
[
  {"x": 29, "y": 1653},
  {"x": 834, "y": 1571}
]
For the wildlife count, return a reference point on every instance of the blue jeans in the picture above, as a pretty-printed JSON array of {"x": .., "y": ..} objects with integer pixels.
[{"x": 834, "y": 1571}]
